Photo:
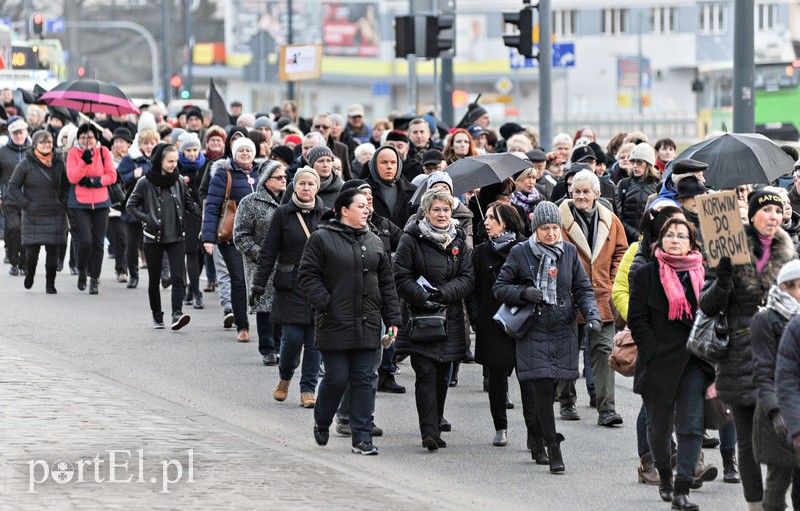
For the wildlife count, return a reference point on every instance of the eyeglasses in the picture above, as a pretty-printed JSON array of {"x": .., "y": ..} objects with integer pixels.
[
  {"x": 278, "y": 178},
  {"x": 680, "y": 237},
  {"x": 637, "y": 162},
  {"x": 322, "y": 126},
  {"x": 44, "y": 142}
]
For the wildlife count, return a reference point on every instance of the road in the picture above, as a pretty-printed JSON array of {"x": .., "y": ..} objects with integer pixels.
[{"x": 82, "y": 374}]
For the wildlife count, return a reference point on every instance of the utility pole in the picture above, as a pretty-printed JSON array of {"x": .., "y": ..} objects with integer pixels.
[
  {"x": 26, "y": 18},
  {"x": 187, "y": 14},
  {"x": 165, "y": 49},
  {"x": 446, "y": 85},
  {"x": 743, "y": 67},
  {"x": 290, "y": 92},
  {"x": 545, "y": 73}
]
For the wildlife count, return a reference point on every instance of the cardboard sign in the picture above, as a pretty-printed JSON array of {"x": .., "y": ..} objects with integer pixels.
[
  {"x": 721, "y": 225},
  {"x": 300, "y": 62}
]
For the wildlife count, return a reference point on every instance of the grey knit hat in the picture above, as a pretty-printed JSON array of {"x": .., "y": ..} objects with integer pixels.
[
  {"x": 440, "y": 177},
  {"x": 790, "y": 271},
  {"x": 263, "y": 122},
  {"x": 546, "y": 213},
  {"x": 39, "y": 135},
  {"x": 189, "y": 140},
  {"x": 318, "y": 152}
]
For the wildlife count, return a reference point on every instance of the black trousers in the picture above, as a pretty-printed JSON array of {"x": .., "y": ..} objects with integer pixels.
[
  {"x": 430, "y": 390},
  {"x": 90, "y": 232},
  {"x": 32, "y": 258},
  {"x": 116, "y": 234},
  {"x": 537, "y": 408},
  {"x": 154, "y": 254},
  {"x": 498, "y": 390},
  {"x": 13, "y": 235},
  {"x": 749, "y": 469},
  {"x": 133, "y": 242}
]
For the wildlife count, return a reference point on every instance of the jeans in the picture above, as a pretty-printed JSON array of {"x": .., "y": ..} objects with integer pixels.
[
  {"x": 498, "y": 390},
  {"x": 235, "y": 264},
  {"x": 685, "y": 415},
  {"x": 749, "y": 469},
  {"x": 133, "y": 242},
  {"x": 343, "y": 413},
  {"x": 778, "y": 480},
  {"x": 294, "y": 338},
  {"x": 211, "y": 269},
  {"x": 642, "y": 443},
  {"x": 727, "y": 436},
  {"x": 430, "y": 391},
  {"x": 154, "y": 255},
  {"x": 90, "y": 232},
  {"x": 268, "y": 332},
  {"x": 115, "y": 232},
  {"x": 223, "y": 280},
  {"x": 354, "y": 369},
  {"x": 387, "y": 359},
  {"x": 602, "y": 376},
  {"x": 537, "y": 408}
]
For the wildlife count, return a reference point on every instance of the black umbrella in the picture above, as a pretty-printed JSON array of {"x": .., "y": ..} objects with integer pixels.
[
  {"x": 739, "y": 158},
  {"x": 476, "y": 171}
]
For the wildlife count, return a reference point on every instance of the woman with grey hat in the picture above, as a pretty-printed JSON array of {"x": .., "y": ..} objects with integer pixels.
[
  {"x": 548, "y": 273},
  {"x": 634, "y": 191},
  {"x": 191, "y": 162},
  {"x": 320, "y": 158}
]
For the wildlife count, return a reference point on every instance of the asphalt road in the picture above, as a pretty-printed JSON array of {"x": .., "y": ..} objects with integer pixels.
[{"x": 203, "y": 371}]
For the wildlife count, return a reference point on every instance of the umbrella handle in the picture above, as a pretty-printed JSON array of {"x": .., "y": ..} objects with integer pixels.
[{"x": 90, "y": 121}]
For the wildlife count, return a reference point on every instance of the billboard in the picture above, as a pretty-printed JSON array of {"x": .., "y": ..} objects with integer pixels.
[
  {"x": 350, "y": 29},
  {"x": 633, "y": 82}
]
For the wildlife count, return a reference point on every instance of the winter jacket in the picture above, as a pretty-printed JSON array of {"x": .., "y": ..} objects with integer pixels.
[
  {"x": 548, "y": 346},
  {"x": 328, "y": 191},
  {"x": 792, "y": 227},
  {"x": 493, "y": 347},
  {"x": 346, "y": 275},
  {"x": 662, "y": 356},
  {"x": 600, "y": 262},
  {"x": 742, "y": 298},
  {"x": 241, "y": 186},
  {"x": 41, "y": 193},
  {"x": 102, "y": 166},
  {"x": 787, "y": 376},
  {"x": 389, "y": 233},
  {"x": 448, "y": 270},
  {"x": 135, "y": 159},
  {"x": 341, "y": 151},
  {"x": 10, "y": 156},
  {"x": 253, "y": 218},
  {"x": 766, "y": 330},
  {"x": 632, "y": 197},
  {"x": 147, "y": 204},
  {"x": 621, "y": 290},
  {"x": 794, "y": 199},
  {"x": 281, "y": 251},
  {"x": 403, "y": 210},
  {"x": 461, "y": 213}
]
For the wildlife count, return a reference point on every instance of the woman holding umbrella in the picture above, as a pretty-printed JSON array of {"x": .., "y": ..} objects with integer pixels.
[{"x": 90, "y": 170}]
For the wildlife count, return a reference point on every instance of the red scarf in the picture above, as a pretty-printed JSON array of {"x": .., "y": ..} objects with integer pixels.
[{"x": 669, "y": 267}]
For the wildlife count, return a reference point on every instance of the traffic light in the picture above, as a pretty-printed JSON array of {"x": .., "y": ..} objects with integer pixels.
[
  {"x": 81, "y": 72},
  {"x": 175, "y": 81},
  {"x": 439, "y": 36},
  {"x": 403, "y": 36},
  {"x": 523, "y": 41},
  {"x": 37, "y": 24},
  {"x": 185, "y": 94}
]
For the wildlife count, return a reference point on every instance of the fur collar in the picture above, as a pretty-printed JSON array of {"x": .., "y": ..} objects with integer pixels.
[
  {"x": 573, "y": 232},
  {"x": 757, "y": 282}
]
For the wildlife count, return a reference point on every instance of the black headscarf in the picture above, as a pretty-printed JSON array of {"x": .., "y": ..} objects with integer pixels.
[
  {"x": 229, "y": 140},
  {"x": 155, "y": 174}
]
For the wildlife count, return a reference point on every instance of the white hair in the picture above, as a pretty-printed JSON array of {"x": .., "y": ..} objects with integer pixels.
[
  {"x": 363, "y": 149},
  {"x": 562, "y": 138},
  {"x": 588, "y": 176},
  {"x": 315, "y": 134}
]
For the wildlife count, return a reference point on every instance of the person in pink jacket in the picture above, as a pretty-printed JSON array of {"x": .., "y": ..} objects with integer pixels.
[{"x": 90, "y": 171}]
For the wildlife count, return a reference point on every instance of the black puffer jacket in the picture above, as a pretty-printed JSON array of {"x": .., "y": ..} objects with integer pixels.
[
  {"x": 549, "y": 346},
  {"x": 632, "y": 196},
  {"x": 787, "y": 376},
  {"x": 747, "y": 293},
  {"x": 346, "y": 275},
  {"x": 41, "y": 193},
  {"x": 450, "y": 271},
  {"x": 282, "y": 250},
  {"x": 162, "y": 210}
]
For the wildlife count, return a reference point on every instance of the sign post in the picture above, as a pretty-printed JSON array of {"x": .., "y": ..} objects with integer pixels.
[{"x": 721, "y": 225}]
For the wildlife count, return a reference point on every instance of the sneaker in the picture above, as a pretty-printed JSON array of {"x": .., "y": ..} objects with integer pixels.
[
  {"x": 569, "y": 413},
  {"x": 269, "y": 359},
  {"x": 122, "y": 277},
  {"x": 343, "y": 427},
  {"x": 228, "y": 318},
  {"x": 243, "y": 336},
  {"x": 365, "y": 449},
  {"x": 321, "y": 435},
  {"x": 709, "y": 442},
  {"x": 158, "y": 322},
  {"x": 197, "y": 302},
  {"x": 609, "y": 418},
  {"x": 180, "y": 320},
  {"x": 13, "y": 271},
  {"x": 307, "y": 400},
  {"x": 281, "y": 390}
]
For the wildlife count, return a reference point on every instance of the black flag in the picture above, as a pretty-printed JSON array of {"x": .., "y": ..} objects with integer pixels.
[{"x": 219, "y": 113}]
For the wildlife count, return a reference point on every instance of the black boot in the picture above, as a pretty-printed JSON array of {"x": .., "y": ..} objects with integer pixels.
[
  {"x": 50, "y": 280},
  {"x": 681, "y": 499},
  {"x": 93, "y": 286},
  {"x": 188, "y": 296},
  {"x": 538, "y": 451},
  {"x": 29, "y": 277},
  {"x": 81, "y": 281},
  {"x": 665, "y": 483},
  {"x": 730, "y": 469},
  {"x": 554, "y": 455}
]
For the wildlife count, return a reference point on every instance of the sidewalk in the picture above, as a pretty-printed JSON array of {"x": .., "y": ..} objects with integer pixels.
[{"x": 61, "y": 430}]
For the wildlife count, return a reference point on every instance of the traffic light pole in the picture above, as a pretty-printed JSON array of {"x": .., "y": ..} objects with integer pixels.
[
  {"x": 26, "y": 16},
  {"x": 743, "y": 68},
  {"x": 545, "y": 74}
]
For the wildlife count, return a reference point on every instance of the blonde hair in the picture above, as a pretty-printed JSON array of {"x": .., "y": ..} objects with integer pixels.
[
  {"x": 519, "y": 142},
  {"x": 435, "y": 194},
  {"x": 148, "y": 135}
]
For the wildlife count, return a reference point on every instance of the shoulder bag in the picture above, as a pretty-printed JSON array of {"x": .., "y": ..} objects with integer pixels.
[
  {"x": 623, "y": 353},
  {"x": 709, "y": 336},
  {"x": 512, "y": 317},
  {"x": 116, "y": 191},
  {"x": 427, "y": 325},
  {"x": 227, "y": 215}
]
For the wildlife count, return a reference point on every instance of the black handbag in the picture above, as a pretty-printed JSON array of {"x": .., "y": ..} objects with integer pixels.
[
  {"x": 427, "y": 325},
  {"x": 709, "y": 336}
]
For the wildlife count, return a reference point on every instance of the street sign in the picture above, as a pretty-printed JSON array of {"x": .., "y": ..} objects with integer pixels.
[
  {"x": 381, "y": 89},
  {"x": 55, "y": 26},
  {"x": 563, "y": 56}
]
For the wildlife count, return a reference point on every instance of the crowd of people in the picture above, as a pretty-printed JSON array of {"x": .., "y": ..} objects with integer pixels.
[{"x": 314, "y": 227}]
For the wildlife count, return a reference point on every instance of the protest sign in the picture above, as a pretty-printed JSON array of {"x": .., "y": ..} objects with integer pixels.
[{"x": 721, "y": 225}]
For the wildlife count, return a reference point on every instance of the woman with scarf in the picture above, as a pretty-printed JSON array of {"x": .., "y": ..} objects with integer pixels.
[
  {"x": 526, "y": 197},
  {"x": 494, "y": 349},
  {"x": 243, "y": 176},
  {"x": 433, "y": 267},
  {"x": 320, "y": 158},
  {"x": 672, "y": 382},
  {"x": 161, "y": 202},
  {"x": 771, "y": 443},
  {"x": 346, "y": 275},
  {"x": 39, "y": 187},
  {"x": 190, "y": 165},
  {"x": 546, "y": 272},
  {"x": 740, "y": 291},
  {"x": 291, "y": 226}
]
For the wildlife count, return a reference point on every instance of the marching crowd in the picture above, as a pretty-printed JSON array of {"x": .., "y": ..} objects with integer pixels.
[{"x": 352, "y": 249}]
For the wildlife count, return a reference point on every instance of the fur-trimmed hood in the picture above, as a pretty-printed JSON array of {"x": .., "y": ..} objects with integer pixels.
[{"x": 759, "y": 282}]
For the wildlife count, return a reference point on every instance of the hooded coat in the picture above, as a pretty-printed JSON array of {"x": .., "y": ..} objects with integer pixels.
[{"x": 405, "y": 190}]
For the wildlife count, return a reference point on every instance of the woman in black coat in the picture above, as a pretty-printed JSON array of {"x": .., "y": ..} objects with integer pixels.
[
  {"x": 292, "y": 225},
  {"x": 546, "y": 271},
  {"x": 432, "y": 267},
  {"x": 494, "y": 349},
  {"x": 161, "y": 202},
  {"x": 39, "y": 186},
  {"x": 346, "y": 275},
  {"x": 771, "y": 445},
  {"x": 671, "y": 381}
]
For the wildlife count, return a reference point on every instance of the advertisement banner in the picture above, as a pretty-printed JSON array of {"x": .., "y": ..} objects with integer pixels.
[
  {"x": 350, "y": 29},
  {"x": 633, "y": 82}
]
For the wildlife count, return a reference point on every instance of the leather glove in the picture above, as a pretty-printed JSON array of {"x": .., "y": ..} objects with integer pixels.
[
  {"x": 778, "y": 425},
  {"x": 436, "y": 296},
  {"x": 725, "y": 271},
  {"x": 85, "y": 182},
  {"x": 594, "y": 326},
  {"x": 95, "y": 182},
  {"x": 86, "y": 156},
  {"x": 533, "y": 295},
  {"x": 256, "y": 292}
]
